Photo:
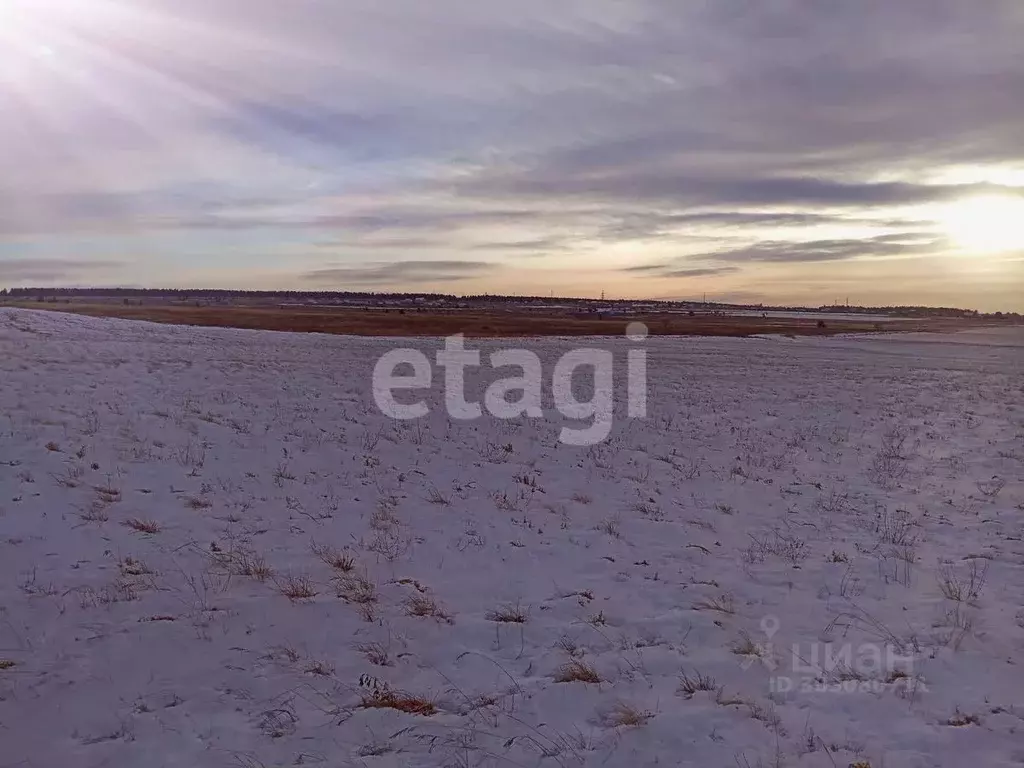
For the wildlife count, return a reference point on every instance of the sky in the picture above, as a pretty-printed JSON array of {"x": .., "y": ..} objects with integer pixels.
[{"x": 786, "y": 152}]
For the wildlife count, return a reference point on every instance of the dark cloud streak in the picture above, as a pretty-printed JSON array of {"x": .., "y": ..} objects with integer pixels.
[
  {"x": 399, "y": 273},
  {"x": 52, "y": 270},
  {"x": 732, "y": 260}
]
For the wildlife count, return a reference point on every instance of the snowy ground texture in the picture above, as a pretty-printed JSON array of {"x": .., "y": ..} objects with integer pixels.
[{"x": 214, "y": 551}]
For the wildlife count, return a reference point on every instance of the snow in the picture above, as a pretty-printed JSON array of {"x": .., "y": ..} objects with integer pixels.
[{"x": 836, "y": 495}]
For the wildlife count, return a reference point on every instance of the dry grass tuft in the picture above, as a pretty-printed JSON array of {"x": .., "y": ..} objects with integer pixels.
[
  {"x": 963, "y": 588},
  {"x": 107, "y": 493},
  {"x": 509, "y": 614},
  {"x": 243, "y": 561},
  {"x": 724, "y": 604},
  {"x": 297, "y": 587},
  {"x": 376, "y": 654},
  {"x": 121, "y": 590},
  {"x": 356, "y": 588},
  {"x": 766, "y": 715},
  {"x": 610, "y": 526},
  {"x": 71, "y": 478},
  {"x": 723, "y": 699},
  {"x": 434, "y": 496},
  {"x": 286, "y": 652},
  {"x": 390, "y": 544},
  {"x": 425, "y": 605},
  {"x": 384, "y": 519},
  {"x": 625, "y": 715},
  {"x": 380, "y": 695},
  {"x": 688, "y": 685},
  {"x": 97, "y": 513},
  {"x": 960, "y": 719},
  {"x": 130, "y": 566},
  {"x": 334, "y": 558},
  {"x": 321, "y": 668},
  {"x": 569, "y": 645},
  {"x": 576, "y": 671},
  {"x": 745, "y": 646},
  {"x": 142, "y": 526}
]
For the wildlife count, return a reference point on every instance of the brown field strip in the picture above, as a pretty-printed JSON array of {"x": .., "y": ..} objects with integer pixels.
[{"x": 484, "y": 323}]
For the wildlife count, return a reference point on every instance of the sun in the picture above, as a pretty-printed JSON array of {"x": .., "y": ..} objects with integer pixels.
[{"x": 986, "y": 224}]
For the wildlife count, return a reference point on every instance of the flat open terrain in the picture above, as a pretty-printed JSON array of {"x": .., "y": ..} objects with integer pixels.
[
  {"x": 216, "y": 552},
  {"x": 493, "y": 323}
]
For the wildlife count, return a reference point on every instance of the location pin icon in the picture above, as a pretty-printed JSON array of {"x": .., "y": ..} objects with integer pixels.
[{"x": 769, "y": 625}]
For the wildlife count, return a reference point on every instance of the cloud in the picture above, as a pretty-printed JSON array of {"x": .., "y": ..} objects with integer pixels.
[
  {"x": 52, "y": 270},
  {"x": 399, "y": 273},
  {"x": 699, "y": 271},
  {"x": 729, "y": 261},
  {"x": 683, "y": 190},
  {"x": 538, "y": 245},
  {"x": 751, "y": 218},
  {"x": 829, "y": 250},
  {"x": 670, "y": 270}
]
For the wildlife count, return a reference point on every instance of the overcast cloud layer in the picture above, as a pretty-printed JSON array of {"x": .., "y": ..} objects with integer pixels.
[{"x": 792, "y": 151}]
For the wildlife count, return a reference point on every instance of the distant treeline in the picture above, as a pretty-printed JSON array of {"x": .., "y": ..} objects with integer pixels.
[
  {"x": 192, "y": 294},
  {"x": 187, "y": 294},
  {"x": 903, "y": 311}
]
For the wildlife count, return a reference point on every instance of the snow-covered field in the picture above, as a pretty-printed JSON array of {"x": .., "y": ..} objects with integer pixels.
[{"x": 214, "y": 551}]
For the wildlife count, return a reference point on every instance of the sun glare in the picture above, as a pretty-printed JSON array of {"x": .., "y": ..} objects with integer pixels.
[{"x": 989, "y": 224}]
